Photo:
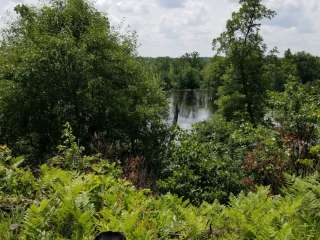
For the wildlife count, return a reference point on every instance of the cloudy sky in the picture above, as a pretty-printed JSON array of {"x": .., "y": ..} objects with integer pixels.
[{"x": 173, "y": 27}]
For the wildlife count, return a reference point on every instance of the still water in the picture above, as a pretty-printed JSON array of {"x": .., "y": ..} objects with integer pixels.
[{"x": 189, "y": 106}]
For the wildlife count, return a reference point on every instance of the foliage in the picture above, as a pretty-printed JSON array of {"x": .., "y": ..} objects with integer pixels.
[
  {"x": 266, "y": 161},
  {"x": 218, "y": 158},
  {"x": 295, "y": 112},
  {"x": 249, "y": 172},
  {"x": 199, "y": 165},
  {"x": 278, "y": 71},
  {"x": 78, "y": 205},
  {"x": 213, "y": 74},
  {"x": 242, "y": 94},
  {"x": 179, "y": 73},
  {"x": 308, "y": 66},
  {"x": 13, "y": 179},
  {"x": 66, "y": 63},
  {"x": 71, "y": 157}
]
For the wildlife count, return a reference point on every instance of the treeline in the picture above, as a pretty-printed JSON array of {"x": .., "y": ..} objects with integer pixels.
[
  {"x": 250, "y": 172},
  {"x": 179, "y": 73},
  {"x": 191, "y": 71}
]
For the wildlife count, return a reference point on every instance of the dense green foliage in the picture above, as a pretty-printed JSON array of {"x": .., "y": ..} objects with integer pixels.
[
  {"x": 242, "y": 94},
  {"x": 297, "y": 112},
  {"x": 307, "y": 66},
  {"x": 199, "y": 165},
  {"x": 179, "y": 73},
  {"x": 249, "y": 172},
  {"x": 206, "y": 164},
  {"x": 78, "y": 202},
  {"x": 213, "y": 74},
  {"x": 65, "y": 63}
]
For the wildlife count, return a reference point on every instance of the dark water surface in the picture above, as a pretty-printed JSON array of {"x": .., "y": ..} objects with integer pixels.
[{"x": 189, "y": 106}]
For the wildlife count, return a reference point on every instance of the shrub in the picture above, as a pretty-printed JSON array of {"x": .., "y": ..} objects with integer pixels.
[{"x": 203, "y": 165}]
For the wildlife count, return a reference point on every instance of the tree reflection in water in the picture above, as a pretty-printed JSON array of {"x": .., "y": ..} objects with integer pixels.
[{"x": 189, "y": 106}]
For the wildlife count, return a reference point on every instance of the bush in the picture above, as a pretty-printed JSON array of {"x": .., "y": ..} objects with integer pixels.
[
  {"x": 295, "y": 113},
  {"x": 203, "y": 165},
  {"x": 218, "y": 158},
  {"x": 75, "y": 204}
]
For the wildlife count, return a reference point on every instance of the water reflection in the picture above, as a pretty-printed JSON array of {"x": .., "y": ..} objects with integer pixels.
[{"x": 189, "y": 106}]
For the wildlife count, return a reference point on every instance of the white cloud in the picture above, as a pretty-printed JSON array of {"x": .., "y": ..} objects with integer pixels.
[
  {"x": 171, "y": 3},
  {"x": 172, "y": 27},
  {"x": 296, "y": 25}
]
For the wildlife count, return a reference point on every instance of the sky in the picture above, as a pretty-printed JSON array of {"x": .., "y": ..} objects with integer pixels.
[{"x": 174, "y": 27}]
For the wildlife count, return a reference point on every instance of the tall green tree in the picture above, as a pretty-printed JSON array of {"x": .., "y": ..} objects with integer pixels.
[
  {"x": 242, "y": 94},
  {"x": 213, "y": 74},
  {"x": 67, "y": 64},
  {"x": 308, "y": 66},
  {"x": 189, "y": 67},
  {"x": 278, "y": 71}
]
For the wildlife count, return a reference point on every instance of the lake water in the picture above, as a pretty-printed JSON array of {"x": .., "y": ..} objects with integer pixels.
[{"x": 189, "y": 106}]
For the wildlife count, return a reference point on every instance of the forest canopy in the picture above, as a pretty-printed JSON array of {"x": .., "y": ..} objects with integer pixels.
[{"x": 64, "y": 63}]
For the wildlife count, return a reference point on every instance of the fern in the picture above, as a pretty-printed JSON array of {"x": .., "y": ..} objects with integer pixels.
[{"x": 68, "y": 203}]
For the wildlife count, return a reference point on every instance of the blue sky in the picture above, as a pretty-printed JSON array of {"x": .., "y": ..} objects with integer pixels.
[{"x": 173, "y": 27}]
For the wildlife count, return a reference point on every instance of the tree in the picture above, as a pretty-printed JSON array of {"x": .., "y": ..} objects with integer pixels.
[
  {"x": 308, "y": 66},
  {"x": 68, "y": 65},
  {"x": 189, "y": 68},
  {"x": 242, "y": 94},
  {"x": 278, "y": 71},
  {"x": 193, "y": 59},
  {"x": 213, "y": 74}
]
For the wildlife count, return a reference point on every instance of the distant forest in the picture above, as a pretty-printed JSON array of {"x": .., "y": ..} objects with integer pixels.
[{"x": 191, "y": 71}]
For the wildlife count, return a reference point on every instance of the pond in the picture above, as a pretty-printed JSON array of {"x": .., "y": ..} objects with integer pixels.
[{"x": 187, "y": 107}]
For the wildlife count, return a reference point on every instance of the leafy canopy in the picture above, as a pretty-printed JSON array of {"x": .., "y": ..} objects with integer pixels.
[
  {"x": 67, "y": 64},
  {"x": 242, "y": 94}
]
